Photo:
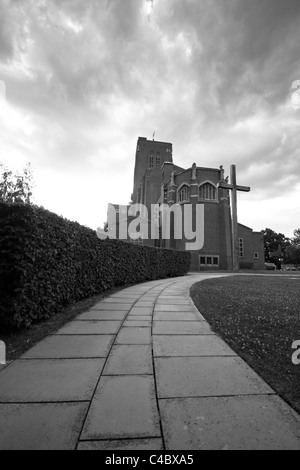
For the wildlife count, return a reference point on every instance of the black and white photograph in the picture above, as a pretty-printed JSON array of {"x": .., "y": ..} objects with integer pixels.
[{"x": 149, "y": 227}]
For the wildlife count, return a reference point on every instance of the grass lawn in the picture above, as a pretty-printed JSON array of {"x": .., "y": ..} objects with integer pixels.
[{"x": 259, "y": 317}]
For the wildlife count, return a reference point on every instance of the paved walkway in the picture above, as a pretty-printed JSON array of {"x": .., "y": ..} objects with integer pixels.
[{"x": 141, "y": 370}]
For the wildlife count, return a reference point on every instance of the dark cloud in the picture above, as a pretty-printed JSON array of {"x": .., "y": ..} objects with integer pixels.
[
  {"x": 6, "y": 46},
  {"x": 266, "y": 24},
  {"x": 242, "y": 51},
  {"x": 8, "y": 28}
]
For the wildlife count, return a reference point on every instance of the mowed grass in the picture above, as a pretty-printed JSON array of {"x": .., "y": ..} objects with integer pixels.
[{"x": 259, "y": 317}]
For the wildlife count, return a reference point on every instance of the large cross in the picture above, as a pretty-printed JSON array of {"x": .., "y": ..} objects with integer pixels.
[{"x": 234, "y": 188}]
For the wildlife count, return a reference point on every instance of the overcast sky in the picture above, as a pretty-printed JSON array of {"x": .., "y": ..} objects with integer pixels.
[{"x": 217, "y": 78}]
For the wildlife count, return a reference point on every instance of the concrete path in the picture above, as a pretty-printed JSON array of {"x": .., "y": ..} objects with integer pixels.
[{"x": 141, "y": 370}]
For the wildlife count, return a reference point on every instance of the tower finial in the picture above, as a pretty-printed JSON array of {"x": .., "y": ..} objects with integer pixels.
[
  {"x": 154, "y": 135},
  {"x": 194, "y": 171},
  {"x": 222, "y": 173}
]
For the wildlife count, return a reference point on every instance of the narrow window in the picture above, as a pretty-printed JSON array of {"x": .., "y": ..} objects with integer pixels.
[
  {"x": 241, "y": 247},
  {"x": 151, "y": 160},
  {"x": 158, "y": 160},
  {"x": 208, "y": 192},
  {"x": 184, "y": 194}
]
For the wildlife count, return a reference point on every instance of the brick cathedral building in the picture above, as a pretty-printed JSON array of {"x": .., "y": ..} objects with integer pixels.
[{"x": 157, "y": 180}]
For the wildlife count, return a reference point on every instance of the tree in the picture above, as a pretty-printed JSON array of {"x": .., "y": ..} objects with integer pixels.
[
  {"x": 296, "y": 239},
  {"x": 293, "y": 251},
  {"x": 16, "y": 187},
  {"x": 272, "y": 243},
  {"x": 293, "y": 254}
]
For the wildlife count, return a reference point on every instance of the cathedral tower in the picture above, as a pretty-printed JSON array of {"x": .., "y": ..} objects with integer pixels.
[{"x": 150, "y": 155}]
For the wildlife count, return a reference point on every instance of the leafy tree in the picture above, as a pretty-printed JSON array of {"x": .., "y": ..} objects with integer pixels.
[
  {"x": 293, "y": 251},
  {"x": 296, "y": 239},
  {"x": 16, "y": 187},
  {"x": 293, "y": 254},
  {"x": 272, "y": 243}
]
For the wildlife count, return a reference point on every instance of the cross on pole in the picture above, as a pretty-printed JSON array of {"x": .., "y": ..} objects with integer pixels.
[{"x": 234, "y": 188}]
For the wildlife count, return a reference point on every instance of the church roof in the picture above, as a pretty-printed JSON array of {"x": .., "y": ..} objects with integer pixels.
[{"x": 245, "y": 226}]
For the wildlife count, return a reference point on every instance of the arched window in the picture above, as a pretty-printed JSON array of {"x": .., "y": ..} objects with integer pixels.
[
  {"x": 184, "y": 193},
  {"x": 151, "y": 160},
  {"x": 208, "y": 192},
  {"x": 158, "y": 160}
]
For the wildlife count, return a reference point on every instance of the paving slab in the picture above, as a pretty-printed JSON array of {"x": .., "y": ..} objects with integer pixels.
[
  {"x": 133, "y": 317},
  {"x": 143, "y": 304},
  {"x": 173, "y": 302},
  {"x": 121, "y": 307},
  {"x": 149, "y": 297},
  {"x": 134, "y": 336},
  {"x": 230, "y": 423},
  {"x": 141, "y": 311},
  {"x": 206, "y": 376},
  {"x": 71, "y": 347},
  {"x": 175, "y": 298},
  {"x": 123, "y": 444},
  {"x": 118, "y": 300},
  {"x": 135, "y": 291},
  {"x": 102, "y": 315},
  {"x": 137, "y": 318},
  {"x": 123, "y": 407},
  {"x": 125, "y": 297},
  {"x": 181, "y": 328},
  {"x": 55, "y": 426},
  {"x": 129, "y": 360},
  {"x": 98, "y": 327},
  {"x": 174, "y": 295},
  {"x": 175, "y": 316},
  {"x": 190, "y": 346},
  {"x": 139, "y": 323},
  {"x": 173, "y": 308},
  {"x": 50, "y": 380}
]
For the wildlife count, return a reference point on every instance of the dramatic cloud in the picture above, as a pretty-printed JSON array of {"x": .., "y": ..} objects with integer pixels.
[{"x": 84, "y": 79}]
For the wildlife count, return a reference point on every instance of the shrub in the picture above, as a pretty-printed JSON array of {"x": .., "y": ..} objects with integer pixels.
[{"x": 48, "y": 262}]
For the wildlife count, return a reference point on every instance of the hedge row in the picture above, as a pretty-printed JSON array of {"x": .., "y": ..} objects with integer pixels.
[{"x": 48, "y": 262}]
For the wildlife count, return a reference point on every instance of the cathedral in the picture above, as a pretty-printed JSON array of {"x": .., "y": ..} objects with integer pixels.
[{"x": 157, "y": 181}]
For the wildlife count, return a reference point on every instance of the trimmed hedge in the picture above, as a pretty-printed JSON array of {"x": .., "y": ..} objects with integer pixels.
[{"x": 48, "y": 262}]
